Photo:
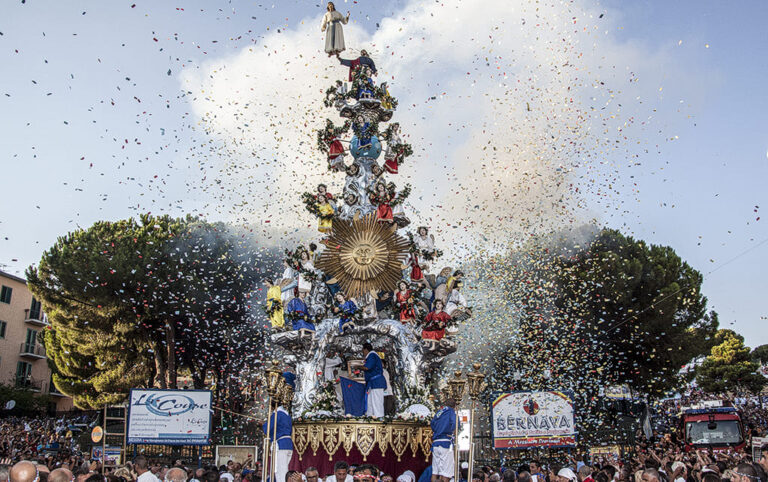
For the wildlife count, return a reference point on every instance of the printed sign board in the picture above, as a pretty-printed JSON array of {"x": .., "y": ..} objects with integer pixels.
[
  {"x": 608, "y": 452},
  {"x": 757, "y": 443},
  {"x": 235, "y": 453},
  {"x": 96, "y": 453},
  {"x": 618, "y": 392},
  {"x": 463, "y": 439},
  {"x": 533, "y": 419},
  {"x": 169, "y": 417}
]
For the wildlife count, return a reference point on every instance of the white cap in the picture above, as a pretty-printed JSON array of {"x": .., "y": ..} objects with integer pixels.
[{"x": 568, "y": 474}]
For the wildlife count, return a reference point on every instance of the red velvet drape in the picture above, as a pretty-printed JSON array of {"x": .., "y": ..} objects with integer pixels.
[{"x": 387, "y": 463}]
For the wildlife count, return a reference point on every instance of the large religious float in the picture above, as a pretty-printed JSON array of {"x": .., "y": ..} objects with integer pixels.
[{"x": 370, "y": 278}]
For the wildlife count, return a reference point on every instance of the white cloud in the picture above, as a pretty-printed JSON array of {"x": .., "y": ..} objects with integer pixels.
[{"x": 504, "y": 102}]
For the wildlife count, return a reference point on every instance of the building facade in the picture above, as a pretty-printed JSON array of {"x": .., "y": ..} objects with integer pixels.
[{"x": 23, "y": 361}]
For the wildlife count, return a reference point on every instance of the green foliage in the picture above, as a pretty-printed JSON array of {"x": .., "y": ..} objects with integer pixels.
[
  {"x": 613, "y": 311},
  {"x": 326, "y": 399},
  {"x": 760, "y": 354},
  {"x": 130, "y": 302},
  {"x": 329, "y": 133},
  {"x": 313, "y": 206},
  {"x": 641, "y": 301},
  {"x": 729, "y": 368},
  {"x": 26, "y": 401}
]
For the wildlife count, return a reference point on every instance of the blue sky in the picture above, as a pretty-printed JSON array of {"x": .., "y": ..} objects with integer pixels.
[{"x": 105, "y": 116}]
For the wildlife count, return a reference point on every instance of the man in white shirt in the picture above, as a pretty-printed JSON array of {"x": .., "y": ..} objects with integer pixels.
[
  {"x": 141, "y": 465},
  {"x": 176, "y": 474},
  {"x": 340, "y": 473}
]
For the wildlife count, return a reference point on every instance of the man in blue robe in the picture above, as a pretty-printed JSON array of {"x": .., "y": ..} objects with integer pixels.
[
  {"x": 280, "y": 429},
  {"x": 299, "y": 313},
  {"x": 375, "y": 383},
  {"x": 443, "y": 426}
]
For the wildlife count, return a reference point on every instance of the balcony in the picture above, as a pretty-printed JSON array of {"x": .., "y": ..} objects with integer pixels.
[
  {"x": 29, "y": 383},
  {"x": 35, "y": 318},
  {"x": 32, "y": 350},
  {"x": 54, "y": 392}
]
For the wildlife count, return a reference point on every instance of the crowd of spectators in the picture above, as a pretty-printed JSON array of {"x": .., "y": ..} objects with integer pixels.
[
  {"x": 46, "y": 450},
  {"x": 46, "y": 440}
]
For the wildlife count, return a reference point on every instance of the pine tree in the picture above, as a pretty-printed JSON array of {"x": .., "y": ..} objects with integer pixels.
[
  {"x": 729, "y": 367},
  {"x": 132, "y": 303},
  {"x": 760, "y": 354}
]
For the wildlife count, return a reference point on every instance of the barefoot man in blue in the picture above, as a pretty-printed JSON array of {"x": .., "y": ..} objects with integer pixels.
[
  {"x": 375, "y": 383},
  {"x": 284, "y": 427},
  {"x": 443, "y": 425}
]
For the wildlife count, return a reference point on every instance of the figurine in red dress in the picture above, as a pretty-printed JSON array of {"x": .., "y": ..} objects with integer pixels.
[
  {"x": 382, "y": 198},
  {"x": 435, "y": 323},
  {"x": 404, "y": 301}
]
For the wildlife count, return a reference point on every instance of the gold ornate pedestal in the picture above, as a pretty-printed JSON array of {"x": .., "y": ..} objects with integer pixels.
[{"x": 397, "y": 437}]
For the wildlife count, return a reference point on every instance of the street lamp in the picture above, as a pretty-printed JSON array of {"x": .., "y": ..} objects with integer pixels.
[
  {"x": 273, "y": 378},
  {"x": 455, "y": 390}
]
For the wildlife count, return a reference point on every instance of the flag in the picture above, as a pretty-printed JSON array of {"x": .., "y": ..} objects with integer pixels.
[{"x": 353, "y": 395}]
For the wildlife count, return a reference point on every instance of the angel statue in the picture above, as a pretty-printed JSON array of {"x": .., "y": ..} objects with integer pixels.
[
  {"x": 345, "y": 310},
  {"x": 425, "y": 242},
  {"x": 334, "y": 35},
  {"x": 391, "y": 155},
  {"x": 382, "y": 198}
]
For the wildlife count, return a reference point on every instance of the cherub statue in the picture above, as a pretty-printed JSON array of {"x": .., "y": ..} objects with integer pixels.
[
  {"x": 435, "y": 323},
  {"x": 392, "y": 155},
  {"x": 274, "y": 304},
  {"x": 296, "y": 310},
  {"x": 457, "y": 304},
  {"x": 305, "y": 284},
  {"x": 425, "y": 242},
  {"x": 326, "y": 210},
  {"x": 382, "y": 198},
  {"x": 404, "y": 302},
  {"x": 345, "y": 310}
]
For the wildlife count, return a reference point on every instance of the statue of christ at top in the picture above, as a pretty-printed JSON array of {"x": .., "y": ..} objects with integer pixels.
[{"x": 334, "y": 34}]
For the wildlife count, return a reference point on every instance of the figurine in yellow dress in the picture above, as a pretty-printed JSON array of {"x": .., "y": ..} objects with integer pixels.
[
  {"x": 275, "y": 305},
  {"x": 325, "y": 208}
]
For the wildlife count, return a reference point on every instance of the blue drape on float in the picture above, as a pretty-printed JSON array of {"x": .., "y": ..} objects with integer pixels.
[{"x": 353, "y": 395}]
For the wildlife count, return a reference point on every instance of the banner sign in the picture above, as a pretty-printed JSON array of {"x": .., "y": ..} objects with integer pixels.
[
  {"x": 757, "y": 443},
  {"x": 610, "y": 452},
  {"x": 242, "y": 454},
  {"x": 533, "y": 419},
  {"x": 618, "y": 392},
  {"x": 113, "y": 455},
  {"x": 169, "y": 417},
  {"x": 463, "y": 439}
]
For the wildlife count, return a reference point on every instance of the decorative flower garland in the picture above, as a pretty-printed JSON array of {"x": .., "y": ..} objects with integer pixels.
[
  {"x": 330, "y": 133},
  {"x": 425, "y": 255},
  {"x": 313, "y": 206},
  {"x": 402, "y": 149},
  {"x": 272, "y": 307},
  {"x": 400, "y": 198},
  {"x": 293, "y": 258}
]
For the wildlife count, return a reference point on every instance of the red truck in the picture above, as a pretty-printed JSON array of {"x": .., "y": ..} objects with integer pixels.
[{"x": 716, "y": 425}]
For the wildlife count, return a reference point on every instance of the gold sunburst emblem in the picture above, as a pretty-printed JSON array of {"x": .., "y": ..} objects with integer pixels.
[{"x": 364, "y": 255}]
